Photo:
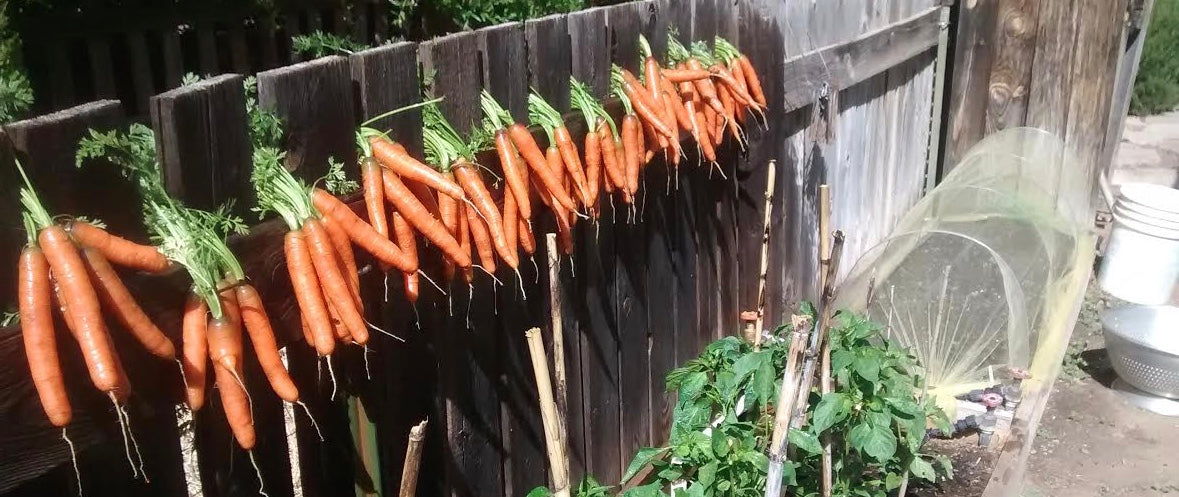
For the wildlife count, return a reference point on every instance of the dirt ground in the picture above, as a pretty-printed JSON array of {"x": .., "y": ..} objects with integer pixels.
[{"x": 1090, "y": 442}]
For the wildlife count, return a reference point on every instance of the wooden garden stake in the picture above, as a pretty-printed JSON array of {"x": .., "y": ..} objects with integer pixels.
[
  {"x": 558, "y": 328},
  {"x": 825, "y": 384},
  {"x": 759, "y": 325},
  {"x": 186, "y": 426},
  {"x": 554, "y": 442},
  {"x": 292, "y": 431},
  {"x": 413, "y": 460}
]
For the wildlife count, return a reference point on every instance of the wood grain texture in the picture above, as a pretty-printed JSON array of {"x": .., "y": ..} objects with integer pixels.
[
  {"x": 1011, "y": 65},
  {"x": 503, "y": 56},
  {"x": 973, "y": 53},
  {"x": 1051, "y": 75},
  {"x": 203, "y": 144},
  {"x": 312, "y": 98},
  {"x": 451, "y": 63},
  {"x": 548, "y": 58},
  {"x": 386, "y": 78}
]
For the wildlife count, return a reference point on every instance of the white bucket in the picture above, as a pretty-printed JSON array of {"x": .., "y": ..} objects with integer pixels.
[{"x": 1141, "y": 263}]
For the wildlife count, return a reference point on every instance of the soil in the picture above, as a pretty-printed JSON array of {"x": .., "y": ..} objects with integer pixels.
[{"x": 1090, "y": 442}]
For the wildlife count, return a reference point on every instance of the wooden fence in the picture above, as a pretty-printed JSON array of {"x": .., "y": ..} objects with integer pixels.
[{"x": 851, "y": 86}]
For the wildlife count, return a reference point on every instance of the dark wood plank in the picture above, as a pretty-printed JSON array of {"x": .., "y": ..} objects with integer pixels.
[
  {"x": 61, "y": 74},
  {"x": 268, "y": 46},
  {"x": 203, "y": 143},
  {"x": 1011, "y": 64},
  {"x": 386, "y": 78},
  {"x": 724, "y": 197},
  {"x": 626, "y": 22},
  {"x": 469, "y": 367},
  {"x": 312, "y": 100},
  {"x": 451, "y": 64},
  {"x": 99, "y": 51},
  {"x": 597, "y": 314},
  {"x": 846, "y": 64},
  {"x": 503, "y": 57},
  {"x": 548, "y": 58},
  {"x": 207, "y": 49},
  {"x": 173, "y": 59},
  {"x": 973, "y": 52},
  {"x": 707, "y": 266},
  {"x": 141, "y": 73},
  {"x": 239, "y": 52}
]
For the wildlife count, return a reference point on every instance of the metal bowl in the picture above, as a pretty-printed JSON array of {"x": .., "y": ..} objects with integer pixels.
[{"x": 1143, "y": 345}]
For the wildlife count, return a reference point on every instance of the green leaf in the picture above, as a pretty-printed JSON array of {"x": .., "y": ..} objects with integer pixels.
[
  {"x": 746, "y": 365},
  {"x": 720, "y": 443},
  {"x": 877, "y": 418},
  {"x": 841, "y": 359},
  {"x": 696, "y": 489},
  {"x": 892, "y": 481},
  {"x": 644, "y": 456},
  {"x": 922, "y": 469},
  {"x": 540, "y": 492},
  {"x": 881, "y": 443},
  {"x": 832, "y": 408},
  {"x": 692, "y": 385},
  {"x": 757, "y": 459},
  {"x": 805, "y": 441},
  {"x": 946, "y": 466},
  {"x": 765, "y": 381},
  {"x": 707, "y": 474},
  {"x": 671, "y": 473},
  {"x": 867, "y": 367},
  {"x": 648, "y": 490}
]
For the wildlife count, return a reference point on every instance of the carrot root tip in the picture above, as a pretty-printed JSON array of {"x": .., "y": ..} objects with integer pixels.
[
  {"x": 73, "y": 459},
  {"x": 258, "y": 472},
  {"x": 312, "y": 418},
  {"x": 377, "y": 328}
]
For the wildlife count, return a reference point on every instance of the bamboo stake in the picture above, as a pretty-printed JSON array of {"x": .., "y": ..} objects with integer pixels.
[
  {"x": 826, "y": 386},
  {"x": 554, "y": 442},
  {"x": 759, "y": 325},
  {"x": 292, "y": 432},
  {"x": 558, "y": 329},
  {"x": 819, "y": 337},
  {"x": 413, "y": 460}
]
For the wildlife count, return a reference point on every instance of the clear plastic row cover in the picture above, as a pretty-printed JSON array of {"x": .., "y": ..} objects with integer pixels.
[{"x": 969, "y": 272}]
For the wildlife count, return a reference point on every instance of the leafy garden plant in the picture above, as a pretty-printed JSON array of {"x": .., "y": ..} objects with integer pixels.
[{"x": 875, "y": 420}]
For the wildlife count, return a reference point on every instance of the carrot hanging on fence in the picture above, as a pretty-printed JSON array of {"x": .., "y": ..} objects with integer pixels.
[
  {"x": 117, "y": 250},
  {"x": 595, "y": 117},
  {"x": 550, "y": 121},
  {"x": 495, "y": 122}
]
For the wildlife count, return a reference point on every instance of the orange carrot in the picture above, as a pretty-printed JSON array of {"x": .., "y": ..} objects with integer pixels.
[
  {"x": 615, "y": 172},
  {"x": 412, "y": 169},
  {"x": 527, "y": 239},
  {"x": 118, "y": 250},
  {"x": 409, "y": 244},
  {"x": 697, "y": 118},
  {"x": 706, "y": 88},
  {"x": 420, "y": 219},
  {"x": 360, "y": 232},
  {"x": 528, "y": 148},
  {"x": 643, "y": 105},
  {"x": 343, "y": 247},
  {"x": 115, "y": 296},
  {"x": 257, "y": 325},
  {"x": 481, "y": 240},
  {"x": 307, "y": 292},
  {"x": 472, "y": 184},
  {"x": 572, "y": 161},
  {"x": 509, "y": 162},
  {"x": 651, "y": 76},
  {"x": 739, "y": 77},
  {"x": 464, "y": 236},
  {"x": 335, "y": 287},
  {"x": 36, "y": 322},
  {"x": 593, "y": 166},
  {"x": 630, "y": 152},
  {"x": 236, "y": 405},
  {"x": 752, "y": 81},
  {"x": 69, "y": 272},
  {"x": 678, "y": 105},
  {"x": 682, "y": 75},
  {"x": 224, "y": 334},
  {"x": 511, "y": 217},
  {"x": 728, "y": 81},
  {"x": 374, "y": 195},
  {"x": 195, "y": 349}
]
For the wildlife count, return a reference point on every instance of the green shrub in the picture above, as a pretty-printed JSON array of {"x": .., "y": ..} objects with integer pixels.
[
  {"x": 16, "y": 95},
  {"x": 1157, "y": 87}
]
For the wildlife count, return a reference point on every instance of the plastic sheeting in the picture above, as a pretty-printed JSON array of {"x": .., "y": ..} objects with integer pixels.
[{"x": 968, "y": 277}]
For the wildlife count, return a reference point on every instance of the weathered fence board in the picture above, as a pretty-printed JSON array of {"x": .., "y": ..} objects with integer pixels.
[{"x": 313, "y": 99}]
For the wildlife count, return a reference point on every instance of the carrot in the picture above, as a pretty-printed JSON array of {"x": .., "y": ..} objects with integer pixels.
[
  {"x": 115, "y": 296},
  {"x": 482, "y": 240},
  {"x": 716, "y": 128},
  {"x": 119, "y": 250},
  {"x": 572, "y": 161},
  {"x": 335, "y": 287},
  {"x": 195, "y": 349},
  {"x": 752, "y": 81},
  {"x": 730, "y": 104},
  {"x": 528, "y": 148},
  {"x": 343, "y": 248},
  {"x": 68, "y": 270},
  {"x": 472, "y": 183},
  {"x": 509, "y": 162},
  {"x": 511, "y": 217},
  {"x": 593, "y": 166},
  {"x": 527, "y": 239},
  {"x": 643, "y": 104},
  {"x": 360, "y": 232},
  {"x": 728, "y": 81},
  {"x": 648, "y": 144},
  {"x": 374, "y": 195},
  {"x": 464, "y": 236},
  {"x": 705, "y": 86},
  {"x": 397, "y": 193},
  {"x": 307, "y": 336},
  {"x": 257, "y": 325},
  {"x": 36, "y": 322},
  {"x": 400, "y": 162},
  {"x": 448, "y": 213},
  {"x": 615, "y": 172},
  {"x": 673, "y": 144},
  {"x": 651, "y": 75},
  {"x": 706, "y": 144},
  {"x": 224, "y": 334},
  {"x": 630, "y": 152},
  {"x": 307, "y": 292},
  {"x": 697, "y": 130},
  {"x": 409, "y": 244},
  {"x": 236, "y": 405},
  {"x": 678, "y": 106},
  {"x": 685, "y": 75},
  {"x": 543, "y": 193}
]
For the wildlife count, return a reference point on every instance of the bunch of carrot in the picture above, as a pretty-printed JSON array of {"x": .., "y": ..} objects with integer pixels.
[{"x": 69, "y": 266}]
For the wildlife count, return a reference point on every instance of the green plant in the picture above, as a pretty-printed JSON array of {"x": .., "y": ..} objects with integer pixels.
[
  {"x": 723, "y": 418},
  {"x": 16, "y": 94},
  {"x": 320, "y": 44},
  {"x": 468, "y": 14},
  {"x": 1156, "y": 88}
]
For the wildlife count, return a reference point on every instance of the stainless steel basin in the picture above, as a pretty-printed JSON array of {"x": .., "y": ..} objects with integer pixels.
[{"x": 1143, "y": 345}]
